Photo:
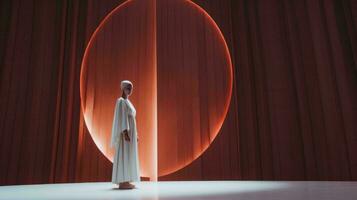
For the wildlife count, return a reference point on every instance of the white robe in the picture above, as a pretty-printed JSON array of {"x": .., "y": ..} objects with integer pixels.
[{"x": 126, "y": 160}]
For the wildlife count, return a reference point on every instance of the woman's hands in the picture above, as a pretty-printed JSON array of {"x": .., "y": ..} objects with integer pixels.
[{"x": 126, "y": 135}]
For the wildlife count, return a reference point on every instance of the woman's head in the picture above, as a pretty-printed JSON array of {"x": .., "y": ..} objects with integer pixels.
[{"x": 127, "y": 87}]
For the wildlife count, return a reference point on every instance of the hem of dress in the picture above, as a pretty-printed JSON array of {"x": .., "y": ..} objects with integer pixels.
[{"x": 131, "y": 180}]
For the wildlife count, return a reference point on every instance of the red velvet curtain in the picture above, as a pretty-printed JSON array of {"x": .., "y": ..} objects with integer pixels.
[
  {"x": 195, "y": 79},
  {"x": 293, "y": 111}
]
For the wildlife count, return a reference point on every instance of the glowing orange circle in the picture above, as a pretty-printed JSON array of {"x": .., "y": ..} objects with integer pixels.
[{"x": 101, "y": 139}]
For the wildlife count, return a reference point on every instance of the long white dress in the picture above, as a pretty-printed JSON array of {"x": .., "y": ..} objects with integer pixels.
[{"x": 126, "y": 159}]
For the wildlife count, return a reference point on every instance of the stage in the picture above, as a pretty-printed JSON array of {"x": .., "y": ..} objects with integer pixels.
[{"x": 243, "y": 190}]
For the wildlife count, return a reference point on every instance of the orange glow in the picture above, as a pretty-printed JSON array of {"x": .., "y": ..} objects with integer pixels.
[
  {"x": 97, "y": 91},
  {"x": 218, "y": 124},
  {"x": 101, "y": 75}
]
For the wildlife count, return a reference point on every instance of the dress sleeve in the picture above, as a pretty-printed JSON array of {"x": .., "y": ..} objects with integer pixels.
[
  {"x": 123, "y": 117},
  {"x": 120, "y": 121}
]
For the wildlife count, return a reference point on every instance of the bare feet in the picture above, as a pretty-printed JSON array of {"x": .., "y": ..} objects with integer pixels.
[
  {"x": 126, "y": 185},
  {"x": 132, "y": 186}
]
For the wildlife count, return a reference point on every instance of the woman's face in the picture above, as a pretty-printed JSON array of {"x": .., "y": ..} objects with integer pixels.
[{"x": 128, "y": 90}]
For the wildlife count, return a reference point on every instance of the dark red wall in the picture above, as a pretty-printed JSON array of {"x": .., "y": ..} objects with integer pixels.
[{"x": 293, "y": 112}]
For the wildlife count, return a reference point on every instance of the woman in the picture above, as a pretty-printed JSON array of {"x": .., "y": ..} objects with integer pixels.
[{"x": 124, "y": 139}]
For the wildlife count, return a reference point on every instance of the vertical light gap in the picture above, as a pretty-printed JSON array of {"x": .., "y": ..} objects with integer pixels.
[{"x": 155, "y": 178}]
